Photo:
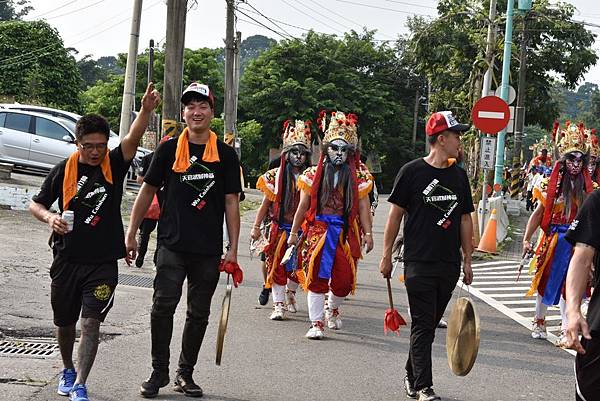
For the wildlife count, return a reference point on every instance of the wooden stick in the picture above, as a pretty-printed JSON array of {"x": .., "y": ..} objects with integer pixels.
[{"x": 389, "y": 287}]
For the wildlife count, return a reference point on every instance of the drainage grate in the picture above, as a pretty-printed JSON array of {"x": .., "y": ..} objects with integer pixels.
[
  {"x": 136, "y": 281},
  {"x": 28, "y": 348}
]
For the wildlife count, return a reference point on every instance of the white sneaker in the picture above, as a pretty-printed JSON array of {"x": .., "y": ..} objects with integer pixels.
[
  {"x": 562, "y": 340},
  {"x": 278, "y": 311},
  {"x": 290, "y": 299},
  {"x": 316, "y": 331},
  {"x": 539, "y": 329},
  {"x": 334, "y": 321}
]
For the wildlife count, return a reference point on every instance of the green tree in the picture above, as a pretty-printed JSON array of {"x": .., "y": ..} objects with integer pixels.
[
  {"x": 105, "y": 97},
  {"x": 450, "y": 49},
  {"x": 35, "y": 67},
  {"x": 295, "y": 79},
  {"x": 8, "y": 9}
]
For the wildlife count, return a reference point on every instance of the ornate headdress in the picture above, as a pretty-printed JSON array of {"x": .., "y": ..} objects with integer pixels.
[
  {"x": 542, "y": 143},
  {"x": 341, "y": 126},
  {"x": 592, "y": 142},
  {"x": 297, "y": 134},
  {"x": 572, "y": 139}
]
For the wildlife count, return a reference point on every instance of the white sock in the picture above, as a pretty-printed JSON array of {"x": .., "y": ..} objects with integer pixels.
[
  {"x": 316, "y": 306},
  {"x": 335, "y": 301},
  {"x": 562, "y": 304},
  {"x": 292, "y": 285},
  {"x": 278, "y": 293},
  {"x": 540, "y": 308}
]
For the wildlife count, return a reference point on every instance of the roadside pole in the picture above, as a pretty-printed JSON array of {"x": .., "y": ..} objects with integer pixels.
[
  {"x": 130, "y": 70},
  {"x": 229, "y": 133}
]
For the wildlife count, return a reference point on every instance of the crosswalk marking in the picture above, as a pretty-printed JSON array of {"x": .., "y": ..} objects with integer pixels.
[{"x": 494, "y": 282}]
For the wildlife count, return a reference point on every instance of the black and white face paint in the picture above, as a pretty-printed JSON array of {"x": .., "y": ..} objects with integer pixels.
[
  {"x": 297, "y": 155},
  {"x": 337, "y": 151}
]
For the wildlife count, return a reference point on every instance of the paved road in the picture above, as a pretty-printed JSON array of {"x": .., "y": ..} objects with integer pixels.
[{"x": 266, "y": 360}]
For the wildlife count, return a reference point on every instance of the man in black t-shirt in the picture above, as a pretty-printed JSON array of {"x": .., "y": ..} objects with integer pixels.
[
  {"x": 84, "y": 271},
  {"x": 201, "y": 180},
  {"x": 584, "y": 234},
  {"x": 434, "y": 196}
]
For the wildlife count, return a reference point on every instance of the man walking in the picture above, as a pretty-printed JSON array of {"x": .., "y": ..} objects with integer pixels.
[
  {"x": 84, "y": 270},
  {"x": 201, "y": 179},
  {"x": 584, "y": 234},
  {"x": 435, "y": 196}
]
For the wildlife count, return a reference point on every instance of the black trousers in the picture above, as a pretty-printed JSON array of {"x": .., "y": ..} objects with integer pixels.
[
  {"x": 587, "y": 369},
  {"x": 429, "y": 287},
  {"x": 146, "y": 228},
  {"x": 172, "y": 268}
]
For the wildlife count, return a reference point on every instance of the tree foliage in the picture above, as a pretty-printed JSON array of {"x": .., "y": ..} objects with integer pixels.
[
  {"x": 105, "y": 97},
  {"x": 450, "y": 50},
  {"x": 14, "y": 9},
  {"x": 35, "y": 67},
  {"x": 295, "y": 79}
]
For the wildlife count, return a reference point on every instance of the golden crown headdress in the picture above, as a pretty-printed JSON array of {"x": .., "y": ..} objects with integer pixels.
[
  {"x": 572, "y": 139},
  {"x": 541, "y": 144},
  {"x": 592, "y": 142},
  {"x": 341, "y": 126},
  {"x": 296, "y": 134}
]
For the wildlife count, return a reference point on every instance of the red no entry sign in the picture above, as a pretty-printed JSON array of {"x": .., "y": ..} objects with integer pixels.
[{"x": 490, "y": 114}]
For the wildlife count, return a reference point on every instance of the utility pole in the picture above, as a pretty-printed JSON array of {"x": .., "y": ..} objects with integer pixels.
[
  {"x": 129, "y": 88},
  {"x": 175, "y": 40},
  {"x": 229, "y": 133},
  {"x": 415, "y": 118},
  {"x": 236, "y": 83},
  {"x": 485, "y": 90},
  {"x": 151, "y": 61},
  {"x": 520, "y": 113},
  {"x": 152, "y": 124}
]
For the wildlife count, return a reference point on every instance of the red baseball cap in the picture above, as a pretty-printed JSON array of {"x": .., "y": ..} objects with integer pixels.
[
  {"x": 198, "y": 91},
  {"x": 442, "y": 121}
]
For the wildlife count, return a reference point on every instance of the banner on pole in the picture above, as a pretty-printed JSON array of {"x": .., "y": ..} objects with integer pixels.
[{"x": 488, "y": 152}]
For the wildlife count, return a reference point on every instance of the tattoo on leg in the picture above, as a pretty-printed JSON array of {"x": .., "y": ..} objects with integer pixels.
[
  {"x": 65, "y": 336},
  {"x": 88, "y": 346}
]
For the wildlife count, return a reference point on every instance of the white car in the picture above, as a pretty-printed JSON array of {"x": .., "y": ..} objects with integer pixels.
[{"x": 40, "y": 137}]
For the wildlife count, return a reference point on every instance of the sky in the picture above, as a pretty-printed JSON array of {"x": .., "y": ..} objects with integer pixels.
[{"x": 102, "y": 27}]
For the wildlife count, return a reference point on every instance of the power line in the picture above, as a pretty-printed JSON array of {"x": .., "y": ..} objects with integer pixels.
[
  {"x": 411, "y": 4},
  {"x": 310, "y": 29},
  {"x": 37, "y": 54},
  {"x": 384, "y": 8},
  {"x": 310, "y": 16},
  {"x": 53, "y": 10},
  {"x": 265, "y": 17},
  {"x": 77, "y": 10},
  {"x": 263, "y": 25}
]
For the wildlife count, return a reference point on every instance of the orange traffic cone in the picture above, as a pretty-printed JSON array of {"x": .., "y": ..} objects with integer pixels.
[{"x": 488, "y": 240}]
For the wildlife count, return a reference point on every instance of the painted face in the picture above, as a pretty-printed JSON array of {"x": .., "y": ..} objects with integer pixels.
[
  {"x": 297, "y": 155},
  {"x": 574, "y": 162},
  {"x": 592, "y": 164},
  {"x": 337, "y": 151}
]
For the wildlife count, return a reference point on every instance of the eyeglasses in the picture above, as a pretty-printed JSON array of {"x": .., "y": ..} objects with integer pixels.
[
  {"x": 343, "y": 148},
  {"x": 100, "y": 147}
]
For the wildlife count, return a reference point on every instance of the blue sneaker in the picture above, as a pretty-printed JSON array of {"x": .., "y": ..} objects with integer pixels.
[
  {"x": 78, "y": 393},
  {"x": 66, "y": 380}
]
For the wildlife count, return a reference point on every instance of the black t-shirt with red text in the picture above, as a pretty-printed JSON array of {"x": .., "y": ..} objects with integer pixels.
[
  {"x": 586, "y": 230},
  {"x": 97, "y": 235},
  {"x": 193, "y": 204},
  {"x": 435, "y": 200}
]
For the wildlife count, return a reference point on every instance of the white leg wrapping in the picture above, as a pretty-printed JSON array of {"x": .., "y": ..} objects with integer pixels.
[
  {"x": 278, "y": 293},
  {"x": 562, "y": 304},
  {"x": 335, "y": 301},
  {"x": 292, "y": 285},
  {"x": 540, "y": 308},
  {"x": 316, "y": 306}
]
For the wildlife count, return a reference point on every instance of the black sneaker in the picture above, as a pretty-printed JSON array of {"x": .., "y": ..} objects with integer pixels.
[
  {"x": 139, "y": 262},
  {"x": 427, "y": 394},
  {"x": 157, "y": 379},
  {"x": 408, "y": 387},
  {"x": 263, "y": 298},
  {"x": 184, "y": 383}
]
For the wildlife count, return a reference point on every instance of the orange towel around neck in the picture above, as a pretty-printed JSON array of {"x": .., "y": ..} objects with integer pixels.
[
  {"x": 70, "y": 179},
  {"x": 182, "y": 154}
]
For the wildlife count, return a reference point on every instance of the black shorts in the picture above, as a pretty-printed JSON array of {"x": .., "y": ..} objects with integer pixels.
[
  {"x": 587, "y": 369},
  {"x": 81, "y": 288}
]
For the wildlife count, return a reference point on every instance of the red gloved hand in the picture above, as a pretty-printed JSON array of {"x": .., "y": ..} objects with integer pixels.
[
  {"x": 234, "y": 269},
  {"x": 392, "y": 321}
]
